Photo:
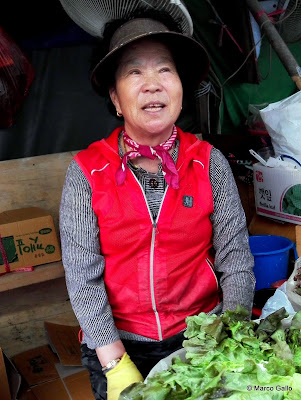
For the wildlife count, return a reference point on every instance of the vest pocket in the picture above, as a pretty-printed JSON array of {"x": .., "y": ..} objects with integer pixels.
[{"x": 211, "y": 266}]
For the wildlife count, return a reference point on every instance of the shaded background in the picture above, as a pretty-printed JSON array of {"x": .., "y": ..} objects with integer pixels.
[{"x": 62, "y": 113}]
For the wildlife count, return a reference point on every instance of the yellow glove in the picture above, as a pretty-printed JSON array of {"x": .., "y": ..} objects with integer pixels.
[{"x": 124, "y": 374}]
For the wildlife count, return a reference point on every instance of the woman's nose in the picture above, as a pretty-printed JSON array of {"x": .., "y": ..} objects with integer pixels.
[{"x": 152, "y": 83}]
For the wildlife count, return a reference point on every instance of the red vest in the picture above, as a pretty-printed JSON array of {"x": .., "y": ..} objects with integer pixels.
[{"x": 156, "y": 272}]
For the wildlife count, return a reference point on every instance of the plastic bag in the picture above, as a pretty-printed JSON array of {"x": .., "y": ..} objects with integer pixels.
[
  {"x": 277, "y": 301},
  {"x": 283, "y": 123},
  {"x": 16, "y": 76},
  {"x": 291, "y": 286}
]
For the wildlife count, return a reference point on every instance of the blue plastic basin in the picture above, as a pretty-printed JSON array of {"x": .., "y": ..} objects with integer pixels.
[{"x": 271, "y": 257}]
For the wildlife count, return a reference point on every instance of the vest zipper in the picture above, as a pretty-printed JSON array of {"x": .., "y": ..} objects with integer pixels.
[
  {"x": 151, "y": 277},
  {"x": 152, "y": 251}
]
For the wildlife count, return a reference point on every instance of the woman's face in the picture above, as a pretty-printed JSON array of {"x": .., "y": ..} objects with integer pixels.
[{"x": 148, "y": 91}]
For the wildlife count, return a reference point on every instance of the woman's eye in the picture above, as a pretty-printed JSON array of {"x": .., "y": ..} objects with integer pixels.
[
  {"x": 165, "y": 69},
  {"x": 134, "y": 72}
]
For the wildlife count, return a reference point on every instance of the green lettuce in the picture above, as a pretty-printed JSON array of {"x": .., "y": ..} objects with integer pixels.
[{"x": 230, "y": 357}]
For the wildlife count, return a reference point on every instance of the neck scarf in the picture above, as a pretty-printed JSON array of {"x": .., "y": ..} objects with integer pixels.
[{"x": 161, "y": 151}]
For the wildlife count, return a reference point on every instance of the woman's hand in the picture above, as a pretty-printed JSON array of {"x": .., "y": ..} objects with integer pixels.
[{"x": 121, "y": 376}]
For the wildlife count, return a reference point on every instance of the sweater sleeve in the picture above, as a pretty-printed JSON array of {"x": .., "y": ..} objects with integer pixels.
[
  {"x": 83, "y": 262},
  {"x": 234, "y": 261}
]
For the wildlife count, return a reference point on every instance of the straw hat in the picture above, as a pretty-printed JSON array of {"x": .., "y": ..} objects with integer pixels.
[{"x": 191, "y": 58}]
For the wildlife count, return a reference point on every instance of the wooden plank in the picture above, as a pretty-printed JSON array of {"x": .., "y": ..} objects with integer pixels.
[
  {"x": 24, "y": 336},
  {"x": 23, "y": 312},
  {"x": 261, "y": 225},
  {"x": 298, "y": 239},
  {"x": 27, "y": 298},
  {"x": 246, "y": 194},
  {"x": 34, "y": 182},
  {"x": 41, "y": 273}
]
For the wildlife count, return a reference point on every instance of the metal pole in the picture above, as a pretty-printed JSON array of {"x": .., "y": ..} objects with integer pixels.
[{"x": 278, "y": 44}]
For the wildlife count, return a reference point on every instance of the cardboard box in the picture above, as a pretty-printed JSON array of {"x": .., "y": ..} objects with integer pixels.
[
  {"x": 37, "y": 365},
  {"x": 75, "y": 386},
  {"x": 48, "y": 379},
  {"x": 50, "y": 391},
  {"x": 278, "y": 193},
  {"x": 10, "y": 379},
  {"x": 4, "y": 386},
  {"x": 79, "y": 386},
  {"x": 28, "y": 238},
  {"x": 64, "y": 342}
]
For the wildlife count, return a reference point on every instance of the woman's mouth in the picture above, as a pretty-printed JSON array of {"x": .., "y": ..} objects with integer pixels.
[{"x": 153, "y": 107}]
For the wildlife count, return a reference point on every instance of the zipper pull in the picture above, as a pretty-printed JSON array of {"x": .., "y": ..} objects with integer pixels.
[{"x": 155, "y": 228}]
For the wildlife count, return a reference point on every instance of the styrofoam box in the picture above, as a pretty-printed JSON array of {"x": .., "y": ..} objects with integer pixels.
[{"x": 278, "y": 193}]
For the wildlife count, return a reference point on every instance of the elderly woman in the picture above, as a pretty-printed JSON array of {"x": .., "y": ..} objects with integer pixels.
[{"x": 142, "y": 210}]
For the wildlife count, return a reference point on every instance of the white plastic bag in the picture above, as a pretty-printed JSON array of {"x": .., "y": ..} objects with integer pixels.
[
  {"x": 294, "y": 297},
  {"x": 277, "y": 301},
  {"x": 283, "y": 123}
]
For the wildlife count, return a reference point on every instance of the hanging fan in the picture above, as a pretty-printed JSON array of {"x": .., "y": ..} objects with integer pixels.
[
  {"x": 290, "y": 20},
  {"x": 92, "y": 15}
]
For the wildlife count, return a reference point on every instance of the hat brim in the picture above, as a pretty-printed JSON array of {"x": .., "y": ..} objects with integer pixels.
[{"x": 191, "y": 58}]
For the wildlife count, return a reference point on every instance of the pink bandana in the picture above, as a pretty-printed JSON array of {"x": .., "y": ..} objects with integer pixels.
[{"x": 161, "y": 151}]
